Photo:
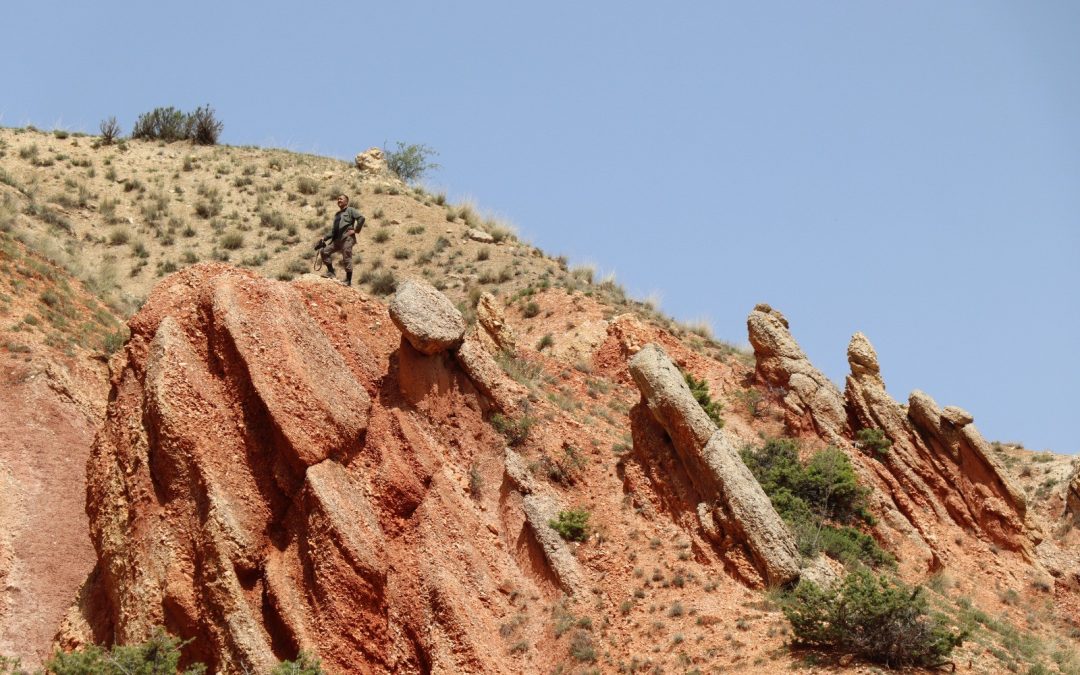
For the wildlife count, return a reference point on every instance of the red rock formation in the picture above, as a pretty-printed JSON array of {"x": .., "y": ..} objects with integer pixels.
[
  {"x": 264, "y": 483},
  {"x": 938, "y": 482}
]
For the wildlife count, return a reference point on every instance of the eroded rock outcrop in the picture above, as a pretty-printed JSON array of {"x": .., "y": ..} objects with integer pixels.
[
  {"x": 937, "y": 479},
  {"x": 941, "y": 468},
  {"x": 1072, "y": 496},
  {"x": 372, "y": 162},
  {"x": 426, "y": 317},
  {"x": 781, "y": 363},
  {"x": 260, "y": 487},
  {"x": 732, "y": 500}
]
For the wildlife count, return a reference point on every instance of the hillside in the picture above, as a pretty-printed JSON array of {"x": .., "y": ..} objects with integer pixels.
[{"x": 281, "y": 468}]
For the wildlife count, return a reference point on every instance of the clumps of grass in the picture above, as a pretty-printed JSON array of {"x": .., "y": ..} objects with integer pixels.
[
  {"x": 875, "y": 617},
  {"x": 700, "y": 390},
  {"x": 307, "y": 186},
  {"x": 119, "y": 237},
  {"x": 572, "y": 525},
  {"x": 515, "y": 429},
  {"x": 381, "y": 235},
  {"x": 232, "y": 241},
  {"x": 530, "y": 309},
  {"x": 402, "y": 253},
  {"x": 582, "y": 647},
  {"x": 382, "y": 283},
  {"x": 547, "y": 341},
  {"x": 819, "y": 500}
]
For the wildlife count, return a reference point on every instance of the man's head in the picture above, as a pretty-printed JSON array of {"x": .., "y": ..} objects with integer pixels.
[{"x": 342, "y": 201}]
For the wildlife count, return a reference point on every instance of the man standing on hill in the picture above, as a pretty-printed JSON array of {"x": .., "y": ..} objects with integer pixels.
[{"x": 347, "y": 224}]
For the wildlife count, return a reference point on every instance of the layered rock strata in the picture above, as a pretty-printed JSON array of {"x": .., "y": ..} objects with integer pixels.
[
  {"x": 264, "y": 484},
  {"x": 730, "y": 497},
  {"x": 938, "y": 477}
]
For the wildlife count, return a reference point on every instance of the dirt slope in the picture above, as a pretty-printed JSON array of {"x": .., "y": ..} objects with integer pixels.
[{"x": 52, "y": 398}]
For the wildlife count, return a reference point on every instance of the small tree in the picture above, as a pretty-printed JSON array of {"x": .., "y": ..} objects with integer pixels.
[
  {"x": 572, "y": 525},
  {"x": 110, "y": 130},
  {"x": 700, "y": 390},
  {"x": 410, "y": 162}
]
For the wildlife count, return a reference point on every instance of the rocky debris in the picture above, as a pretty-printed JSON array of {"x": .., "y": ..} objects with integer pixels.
[
  {"x": 488, "y": 377},
  {"x": 711, "y": 459},
  {"x": 426, "y": 317},
  {"x": 372, "y": 162},
  {"x": 492, "y": 327},
  {"x": 939, "y": 469},
  {"x": 782, "y": 363},
  {"x": 539, "y": 511},
  {"x": 480, "y": 236}
]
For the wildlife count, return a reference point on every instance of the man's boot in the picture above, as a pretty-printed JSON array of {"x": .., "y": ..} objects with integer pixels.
[
  {"x": 348, "y": 277},
  {"x": 329, "y": 273}
]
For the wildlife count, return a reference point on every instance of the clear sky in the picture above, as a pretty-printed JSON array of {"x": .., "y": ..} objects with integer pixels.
[{"x": 907, "y": 169}]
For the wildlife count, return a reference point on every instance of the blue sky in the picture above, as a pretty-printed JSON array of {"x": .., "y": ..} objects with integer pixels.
[{"x": 910, "y": 170}]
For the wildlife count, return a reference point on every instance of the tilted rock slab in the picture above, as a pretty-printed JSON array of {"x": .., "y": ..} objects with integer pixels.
[
  {"x": 782, "y": 363},
  {"x": 712, "y": 460},
  {"x": 943, "y": 466},
  {"x": 541, "y": 506},
  {"x": 426, "y": 317}
]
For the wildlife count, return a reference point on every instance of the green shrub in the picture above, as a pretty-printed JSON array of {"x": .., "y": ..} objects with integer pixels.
[
  {"x": 410, "y": 162},
  {"x": 873, "y": 440},
  {"x": 530, "y": 310},
  {"x": 572, "y": 525},
  {"x": 305, "y": 664},
  {"x": 160, "y": 655},
  {"x": 700, "y": 390},
  {"x": 817, "y": 499},
  {"x": 545, "y": 342},
  {"x": 307, "y": 186},
  {"x": 381, "y": 235},
  {"x": 875, "y": 617}
]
